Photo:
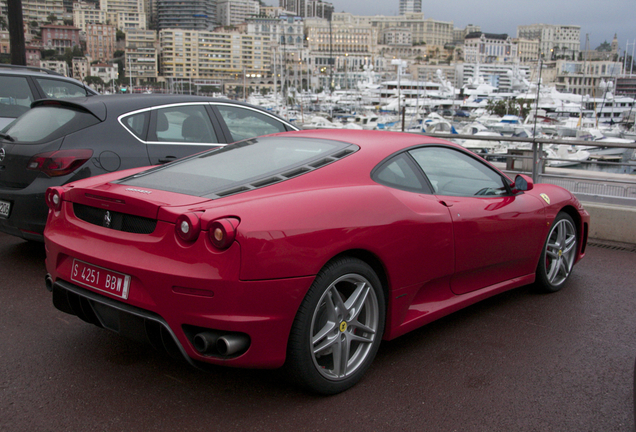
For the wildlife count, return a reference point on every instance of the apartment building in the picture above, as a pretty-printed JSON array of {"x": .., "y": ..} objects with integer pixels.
[
  {"x": 212, "y": 55},
  {"x": 489, "y": 48},
  {"x": 106, "y": 71},
  {"x": 87, "y": 13},
  {"x": 60, "y": 37},
  {"x": 5, "y": 44},
  {"x": 407, "y": 6},
  {"x": 100, "y": 41},
  {"x": 340, "y": 44},
  {"x": 428, "y": 31},
  {"x": 125, "y": 13},
  {"x": 308, "y": 8},
  {"x": 58, "y": 66},
  {"x": 80, "y": 68},
  {"x": 39, "y": 10},
  {"x": 527, "y": 50},
  {"x": 553, "y": 39},
  {"x": 141, "y": 55},
  {"x": 584, "y": 77},
  {"x": 233, "y": 12},
  {"x": 186, "y": 14},
  {"x": 287, "y": 30}
]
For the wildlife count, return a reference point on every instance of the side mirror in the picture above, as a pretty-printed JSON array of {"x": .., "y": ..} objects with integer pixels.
[{"x": 522, "y": 183}]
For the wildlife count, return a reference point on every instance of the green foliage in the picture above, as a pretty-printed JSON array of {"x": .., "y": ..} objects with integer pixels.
[
  {"x": 605, "y": 46},
  {"x": 94, "y": 80},
  {"x": 119, "y": 53},
  {"x": 70, "y": 53},
  {"x": 48, "y": 54},
  {"x": 120, "y": 35},
  {"x": 520, "y": 107}
]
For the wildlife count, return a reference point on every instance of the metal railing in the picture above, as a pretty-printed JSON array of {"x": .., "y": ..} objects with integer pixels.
[{"x": 586, "y": 180}]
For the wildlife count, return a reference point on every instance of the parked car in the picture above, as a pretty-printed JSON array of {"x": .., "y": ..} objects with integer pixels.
[
  {"x": 65, "y": 140},
  {"x": 303, "y": 249},
  {"x": 21, "y": 85}
]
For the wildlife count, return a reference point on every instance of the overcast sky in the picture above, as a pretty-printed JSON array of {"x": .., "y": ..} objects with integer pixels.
[{"x": 600, "y": 19}]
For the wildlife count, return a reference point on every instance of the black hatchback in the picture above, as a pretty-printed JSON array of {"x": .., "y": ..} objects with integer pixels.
[{"x": 63, "y": 140}]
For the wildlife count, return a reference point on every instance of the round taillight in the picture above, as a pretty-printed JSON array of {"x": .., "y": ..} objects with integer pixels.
[
  {"x": 53, "y": 199},
  {"x": 188, "y": 227},
  {"x": 222, "y": 232}
]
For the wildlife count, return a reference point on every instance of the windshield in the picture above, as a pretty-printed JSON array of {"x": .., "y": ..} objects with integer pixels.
[{"x": 252, "y": 162}]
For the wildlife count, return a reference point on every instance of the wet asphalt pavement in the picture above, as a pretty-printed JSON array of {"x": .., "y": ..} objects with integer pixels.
[{"x": 520, "y": 361}]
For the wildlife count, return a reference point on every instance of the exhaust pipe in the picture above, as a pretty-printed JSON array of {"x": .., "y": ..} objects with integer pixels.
[
  {"x": 205, "y": 342},
  {"x": 232, "y": 343},
  {"x": 48, "y": 282}
]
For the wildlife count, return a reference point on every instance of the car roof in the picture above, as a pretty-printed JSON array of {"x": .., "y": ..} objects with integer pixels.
[
  {"x": 16, "y": 70},
  {"x": 378, "y": 143},
  {"x": 100, "y": 105}
]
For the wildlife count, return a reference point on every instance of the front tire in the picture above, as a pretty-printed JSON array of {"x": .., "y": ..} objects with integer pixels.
[
  {"x": 558, "y": 255},
  {"x": 338, "y": 327}
]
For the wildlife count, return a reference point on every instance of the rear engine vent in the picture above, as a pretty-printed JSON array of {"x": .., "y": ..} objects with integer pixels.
[
  {"x": 277, "y": 178},
  {"x": 114, "y": 220}
]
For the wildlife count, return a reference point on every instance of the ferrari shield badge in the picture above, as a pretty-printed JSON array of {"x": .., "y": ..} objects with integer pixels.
[{"x": 545, "y": 198}]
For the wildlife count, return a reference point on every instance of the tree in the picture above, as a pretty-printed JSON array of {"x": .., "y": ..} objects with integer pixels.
[
  {"x": 94, "y": 81},
  {"x": 51, "y": 19},
  {"x": 48, "y": 54},
  {"x": 70, "y": 53},
  {"x": 605, "y": 46},
  {"x": 120, "y": 35}
]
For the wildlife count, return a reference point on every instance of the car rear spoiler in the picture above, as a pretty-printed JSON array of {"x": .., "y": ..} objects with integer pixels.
[{"x": 96, "y": 109}]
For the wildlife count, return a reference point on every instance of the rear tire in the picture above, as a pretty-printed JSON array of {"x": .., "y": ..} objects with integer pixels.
[
  {"x": 558, "y": 255},
  {"x": 338, "y": 327}
]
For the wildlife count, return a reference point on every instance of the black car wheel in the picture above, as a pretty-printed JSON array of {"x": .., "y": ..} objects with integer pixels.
[
  {"x": 558, "y": 255},
  {"x": 338, "y": 327}
]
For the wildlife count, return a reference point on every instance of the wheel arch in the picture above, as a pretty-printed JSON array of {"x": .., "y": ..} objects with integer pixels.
[
  {"x": 581, "y": 226},
  {"x": 374, "y": 262}
]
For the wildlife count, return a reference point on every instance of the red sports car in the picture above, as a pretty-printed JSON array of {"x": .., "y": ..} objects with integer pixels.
[{"x": 303, "y": 249}]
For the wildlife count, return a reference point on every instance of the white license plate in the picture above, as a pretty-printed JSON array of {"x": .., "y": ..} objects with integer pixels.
[
  {"x": 101, "y": 279},
  {"x": 5, "y": 207}
]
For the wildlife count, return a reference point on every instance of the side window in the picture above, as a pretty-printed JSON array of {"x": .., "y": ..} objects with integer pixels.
[
  {"x": 245, "y": 123},
  {"x": 399, "y": 173},
  {"x": 15, "y": 96},
  {"x": 454, "y": 173},
  {"x": 60, "y": 89},
  {"x": 136, "y": 123},
  {"x": 190, "y": 123}
]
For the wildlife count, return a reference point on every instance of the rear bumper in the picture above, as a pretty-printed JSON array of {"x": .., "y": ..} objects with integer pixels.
[
  {"x": 176, "y": 292},
  {"x": 27, "y": 217}
]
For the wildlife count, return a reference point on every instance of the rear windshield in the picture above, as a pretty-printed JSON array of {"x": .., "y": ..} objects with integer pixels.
[
  {"x": 48, "y": 123},
  {"x": 242, "y": 166}
]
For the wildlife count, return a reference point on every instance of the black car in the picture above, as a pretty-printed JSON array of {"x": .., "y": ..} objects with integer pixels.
[
  {"x": 63, "y": 140},
  {"x": 21, "y": 85}
]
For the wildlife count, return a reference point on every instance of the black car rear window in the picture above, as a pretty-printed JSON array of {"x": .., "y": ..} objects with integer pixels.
[
  {"x": 48, "y": 123},
  {"x": 243, "y": 166}
]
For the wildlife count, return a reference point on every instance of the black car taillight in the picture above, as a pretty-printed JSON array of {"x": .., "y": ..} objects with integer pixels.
[
  {"x": 222, "y": 232},
  {"x": 54, "y": 198},
  {"x": 188, "y": 227},
  {"x": 60, "y": 162}
]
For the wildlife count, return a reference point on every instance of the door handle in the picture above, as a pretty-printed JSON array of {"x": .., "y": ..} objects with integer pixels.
[{"x": 167, "y": 159}]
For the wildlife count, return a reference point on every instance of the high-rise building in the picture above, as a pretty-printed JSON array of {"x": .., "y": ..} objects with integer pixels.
[
  {"x": 100, "y": 41},
  {"x": 554, "y": 40},
  {"x": 233, "y": 12},
  {"x": 186, "y": 14},
  {"x": 410, "y": 6},
  {"x": 212, "y": 55},
  {"x": 309, "y": 8}
]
